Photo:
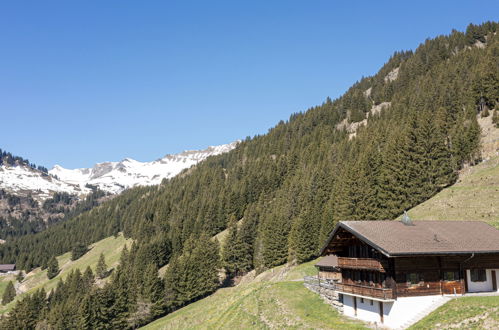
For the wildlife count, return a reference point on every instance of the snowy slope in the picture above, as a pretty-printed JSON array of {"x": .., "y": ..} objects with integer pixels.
[
  {"x": 24, "y": 180},
  {"x": 114, "y": 177}
]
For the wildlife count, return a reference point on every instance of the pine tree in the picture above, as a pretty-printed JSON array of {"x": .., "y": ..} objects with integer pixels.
[
  {"x": 9, "y": 293},
  {"x": 53, "y": 268},
  {"x": 20, "y": 276},
  {"x": 229, "y": 251},
  {"x": 101, "y": 269},
  {"x": 78, "y": 250},
  {"x": 88, "y": 278},
  {"x": 302, "y": 240}
]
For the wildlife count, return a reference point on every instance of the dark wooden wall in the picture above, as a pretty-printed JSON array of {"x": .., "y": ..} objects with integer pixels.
[{"x": 431, "y": 270}]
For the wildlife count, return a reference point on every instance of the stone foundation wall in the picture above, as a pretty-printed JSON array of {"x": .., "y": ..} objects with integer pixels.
[{"x": 325, "y": 291}]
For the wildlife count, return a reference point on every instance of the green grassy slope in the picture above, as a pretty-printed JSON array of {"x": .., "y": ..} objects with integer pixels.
[
  {"x": 111, "y": 247},
  {"x": 464, "y": 313},
  {"x": 474, "y": 197},
  {"x": 273, "y": 299}
]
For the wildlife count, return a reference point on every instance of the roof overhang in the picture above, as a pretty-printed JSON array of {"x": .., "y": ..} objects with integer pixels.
[
  {"x": 356, "y": 234},
  {"x": 396, "y": 254}
]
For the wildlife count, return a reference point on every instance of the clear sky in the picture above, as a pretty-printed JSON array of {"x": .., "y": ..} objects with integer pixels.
[{"x": 90, "y": 81}]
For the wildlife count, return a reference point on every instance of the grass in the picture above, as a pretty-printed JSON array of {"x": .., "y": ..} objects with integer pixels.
[
  {"x": 273, "y": 299},
  {"x": 258, "y": 305},
  {"x": 111, "y": 247},
  {"x": 464, "y": 313},
  {"x": 474, "y": 197}
]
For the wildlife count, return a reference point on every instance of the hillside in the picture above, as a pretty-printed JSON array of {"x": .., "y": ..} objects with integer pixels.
[
  {"x": 475, "y": 195},
  {"x": 111, "y": 247},
  {"x": 247, "y": 304},
  {"x": 273, "y": 299}
]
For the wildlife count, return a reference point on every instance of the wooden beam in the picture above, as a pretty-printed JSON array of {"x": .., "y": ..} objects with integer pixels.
[
  {"x": 381, "y": 317},
  {"x": 355, "y": 305}
]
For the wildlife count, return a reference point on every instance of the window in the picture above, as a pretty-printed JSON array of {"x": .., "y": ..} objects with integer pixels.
[
  {"x": 372, "y": 302},
  {"x": 451, "y": 276},
  {"x": 356, "y": 276},
  {"x": 478, "y": 275},
  {"x": 362, "y": 300},
  {"x": 413, "y": 279}
]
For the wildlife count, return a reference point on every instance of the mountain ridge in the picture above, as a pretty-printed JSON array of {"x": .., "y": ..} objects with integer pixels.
[{"x": 114, "y": 177}]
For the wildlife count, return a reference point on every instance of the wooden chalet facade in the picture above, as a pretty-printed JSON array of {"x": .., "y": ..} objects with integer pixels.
[
  {"x": 7, "y": 268},
  {"x": 384, "y": 262}
]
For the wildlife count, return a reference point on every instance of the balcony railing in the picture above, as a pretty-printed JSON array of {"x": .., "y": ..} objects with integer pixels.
[
  {"x": 381, "y": 293},
  {"x": 361, "y": 290},
  {"x": 362, "y": 263}
]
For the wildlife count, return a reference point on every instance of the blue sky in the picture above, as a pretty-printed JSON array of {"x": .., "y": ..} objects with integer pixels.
[{"x": 89, "y": 81}]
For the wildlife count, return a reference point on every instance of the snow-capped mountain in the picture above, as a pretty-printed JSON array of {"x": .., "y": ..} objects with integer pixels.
[
  {"x": 23, "y": 180},
  {"x": 114, "y": 177}
]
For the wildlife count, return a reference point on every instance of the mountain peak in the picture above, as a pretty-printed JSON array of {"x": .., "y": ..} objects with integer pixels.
[{"x": 114, "y": 177}]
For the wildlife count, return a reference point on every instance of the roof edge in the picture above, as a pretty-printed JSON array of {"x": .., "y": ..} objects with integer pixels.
[{"x": 343, "y": 225}]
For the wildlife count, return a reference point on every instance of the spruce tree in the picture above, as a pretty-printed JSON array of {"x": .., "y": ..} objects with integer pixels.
[
  {"x": 9, "y": 293},
  {"x": 53, "y": 268},
  {"x": 78, "y": 250},
  {"x": 101, "y": 269},
  {"x": 229, "y": 251},
  {"x": 302, "y": 241},
  {"x": 20, "y": 276},
  {"x": 88, "y": 278}
]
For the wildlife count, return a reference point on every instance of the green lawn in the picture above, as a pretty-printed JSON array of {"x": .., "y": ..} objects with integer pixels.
[
  {"x": 474, "y": 197},
  {"x": 111, "y": 247},
  {"x": 464, "y": 313}
]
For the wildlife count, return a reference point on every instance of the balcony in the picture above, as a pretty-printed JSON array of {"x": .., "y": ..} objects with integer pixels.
[
  {"x": 363, "y": 263},
  {"x": 366, "y": 291}
]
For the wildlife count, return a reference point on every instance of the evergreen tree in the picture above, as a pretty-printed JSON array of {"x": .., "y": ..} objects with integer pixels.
[
  {"x": 53, "y": 268},
  {"x": 9, "y": 293},
  {"x": 78, "y": 250},
  {"x": 101, "y": 269},
  {"x": 20, "y": 276},
  {"x": 230, "y": 253},
  {"x": 88, "y": 278}
]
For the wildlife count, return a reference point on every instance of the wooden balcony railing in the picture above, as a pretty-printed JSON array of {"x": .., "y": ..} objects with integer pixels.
[
  {"x": 381, "y": 293},
  {"x": 362, "y": 263}
]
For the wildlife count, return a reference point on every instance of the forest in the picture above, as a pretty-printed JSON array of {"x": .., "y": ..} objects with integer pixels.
[{"x": 278, "y": 194}]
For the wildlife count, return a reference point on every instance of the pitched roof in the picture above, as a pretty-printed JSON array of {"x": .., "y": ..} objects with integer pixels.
[
  {"x": 7, "y": 267},
  {"x": 394, "y": 238},
  {"x": 328, "y": 261}
]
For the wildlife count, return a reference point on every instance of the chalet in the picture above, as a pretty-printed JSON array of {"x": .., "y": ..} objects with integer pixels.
[
  {"x": 390, "y": 271},
  {"x": 7, "y": 268}
]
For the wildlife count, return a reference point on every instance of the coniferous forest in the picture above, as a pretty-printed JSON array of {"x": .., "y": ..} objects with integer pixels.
[{"x": 279, "y": 194}]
